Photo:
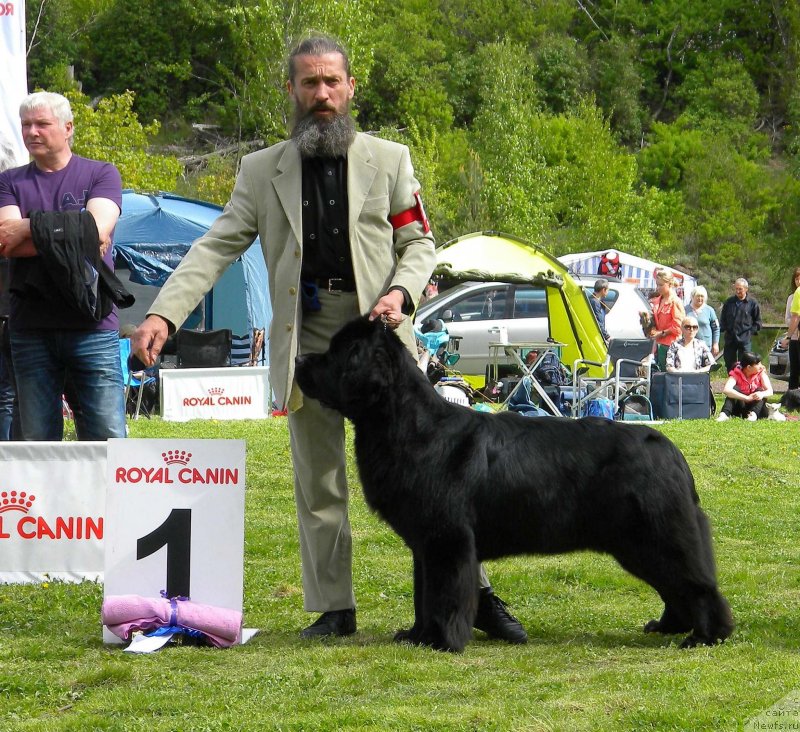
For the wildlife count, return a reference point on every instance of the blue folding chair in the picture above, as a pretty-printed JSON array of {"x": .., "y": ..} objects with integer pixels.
[{"x": 135, "y": 375}]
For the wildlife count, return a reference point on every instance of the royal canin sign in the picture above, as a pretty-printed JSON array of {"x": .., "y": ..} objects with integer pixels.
[
  {"x": 176, "y": 469},
  {"x": 16, "y": 521},
  {"x": 216, "y": 397}
]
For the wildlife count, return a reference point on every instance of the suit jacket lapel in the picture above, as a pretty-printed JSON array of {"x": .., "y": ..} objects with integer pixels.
[
  {"x": 360, "y": 174},
  {"x": 288, "y": 186}
]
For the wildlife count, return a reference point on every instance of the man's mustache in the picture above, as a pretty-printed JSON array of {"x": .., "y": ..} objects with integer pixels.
[{"x": 322, "y": 107}]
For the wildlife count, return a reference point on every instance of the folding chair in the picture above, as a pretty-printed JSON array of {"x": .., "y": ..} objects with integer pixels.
[
  {"x": 135, "y": 376},
  {"x": 203, "y": 348},
  {"x": 626, "y": 370}
]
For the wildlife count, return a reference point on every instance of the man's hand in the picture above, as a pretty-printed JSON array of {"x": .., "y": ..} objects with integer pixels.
[
  {"x": 390, "y": 308},
  {"x": 15, "y": 238},
  {"x": 149, "y": 339}
]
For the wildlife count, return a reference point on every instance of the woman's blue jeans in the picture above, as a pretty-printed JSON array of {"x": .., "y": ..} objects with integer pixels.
[{"x": 84, "y": 363}]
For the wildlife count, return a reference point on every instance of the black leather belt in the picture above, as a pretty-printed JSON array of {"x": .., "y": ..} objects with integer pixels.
[{"x": 335, "y": 284}]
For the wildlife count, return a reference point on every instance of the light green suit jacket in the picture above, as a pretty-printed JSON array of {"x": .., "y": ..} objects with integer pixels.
[{"x": 266, "y": 202}]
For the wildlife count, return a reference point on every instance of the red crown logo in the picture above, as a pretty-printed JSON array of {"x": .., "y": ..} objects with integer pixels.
[
  {"x": 216, "y": 391},
  {"x": 176, "y": 457},
  {"x": 13, "y": 501}
]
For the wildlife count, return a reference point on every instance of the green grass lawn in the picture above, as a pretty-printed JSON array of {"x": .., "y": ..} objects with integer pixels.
[{"x": 587, "y": 666}]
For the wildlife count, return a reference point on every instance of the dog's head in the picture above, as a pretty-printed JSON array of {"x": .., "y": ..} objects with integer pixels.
[
  {"x": 648, "y": 326},
  {"x": 791, "y": 400},
  {"x": 364, "y": 360}
]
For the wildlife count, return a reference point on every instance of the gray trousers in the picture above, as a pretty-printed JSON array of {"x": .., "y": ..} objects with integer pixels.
[{"x": 317, "y": 439}]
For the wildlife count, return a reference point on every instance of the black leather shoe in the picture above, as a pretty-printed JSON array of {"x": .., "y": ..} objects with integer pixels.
[
  {"x": 333, "y": 622},
  {"x": 494, "y": 619}
]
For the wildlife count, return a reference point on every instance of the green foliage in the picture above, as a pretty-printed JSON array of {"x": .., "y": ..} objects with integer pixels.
[
  {"x": 262, "y": 34},
  {"x": 213, "y": 183},
  {"x": 617, "y": 82},
  {"x": 517, "y": 191},
  {"x": 561, "y": 73},
  {"x": 111, "y": 131},
  {"x": 597, "y": 203},
  {"x": 721, "y": 99}
]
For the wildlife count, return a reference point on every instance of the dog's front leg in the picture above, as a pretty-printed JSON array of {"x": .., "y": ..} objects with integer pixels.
[
  {"x": 412, "y": 634},
  {"x": 450, "y": 594}
]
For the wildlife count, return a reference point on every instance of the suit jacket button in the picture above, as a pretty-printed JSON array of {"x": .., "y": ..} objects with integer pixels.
[
  {"x": 292, "y": 290},
  {"x": 289, "y": 327}
]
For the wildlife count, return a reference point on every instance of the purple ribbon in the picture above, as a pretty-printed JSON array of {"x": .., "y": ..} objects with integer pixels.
[{"x": 173, "y": 602}]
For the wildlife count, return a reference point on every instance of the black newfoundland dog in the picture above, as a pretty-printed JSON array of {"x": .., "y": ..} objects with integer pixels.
[{"x": 460, "y": 486}]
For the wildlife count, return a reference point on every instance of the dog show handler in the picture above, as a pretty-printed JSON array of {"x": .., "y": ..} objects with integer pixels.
[{"x": 343, "y": 233}]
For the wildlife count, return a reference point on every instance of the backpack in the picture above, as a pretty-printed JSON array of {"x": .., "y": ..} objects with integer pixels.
[
  {"x": 634, "y": 407},
  {"x": 551, "y": 372}
]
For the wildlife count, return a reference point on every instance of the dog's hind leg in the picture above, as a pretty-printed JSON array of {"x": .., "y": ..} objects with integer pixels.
[
  {"x": 712, "y": 620},
  {"x": 683, "y": 573},
  {"x": 450, "y": 599}
]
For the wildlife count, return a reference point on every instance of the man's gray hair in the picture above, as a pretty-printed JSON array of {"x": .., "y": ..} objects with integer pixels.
[
  {"x": 743, "y": 282},
  {"x": 56, "y": 103},
  {"x": 600, "y": 284},
  {"x": 317, "y": 46}
]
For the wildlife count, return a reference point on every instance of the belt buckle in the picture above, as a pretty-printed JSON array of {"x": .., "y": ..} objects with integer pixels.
[{"x": 331, "y": 289}]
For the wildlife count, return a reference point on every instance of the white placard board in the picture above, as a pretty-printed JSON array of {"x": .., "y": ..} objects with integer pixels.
[
  {"x": 52, "y": 507},
  {"x": 175, "y": 520},
  {"x": 221, "y": 393}
]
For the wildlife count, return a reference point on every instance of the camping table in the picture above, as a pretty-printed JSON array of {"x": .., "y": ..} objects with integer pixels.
[{"x": 518, "y": 351}]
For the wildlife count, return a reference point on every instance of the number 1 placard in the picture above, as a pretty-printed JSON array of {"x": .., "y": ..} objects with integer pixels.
[{"x": 175, "y": 520}]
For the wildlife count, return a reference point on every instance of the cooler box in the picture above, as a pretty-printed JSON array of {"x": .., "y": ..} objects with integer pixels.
[{"x": 681, "y": 395}]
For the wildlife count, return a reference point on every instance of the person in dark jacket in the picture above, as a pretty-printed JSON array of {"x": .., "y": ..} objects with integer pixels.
[
  {"x": 598, "y": 305},
  {"x": 739, "y": 321}
]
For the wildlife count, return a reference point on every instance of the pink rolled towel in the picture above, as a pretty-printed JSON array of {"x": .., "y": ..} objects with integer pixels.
[{"x": 123, "y": 614}]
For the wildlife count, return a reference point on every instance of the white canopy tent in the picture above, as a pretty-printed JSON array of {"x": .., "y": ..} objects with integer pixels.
[{"x": 633, "y": 269}]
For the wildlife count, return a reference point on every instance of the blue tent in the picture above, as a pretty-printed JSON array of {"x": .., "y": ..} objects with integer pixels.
[{"x": 154, "y": 233}]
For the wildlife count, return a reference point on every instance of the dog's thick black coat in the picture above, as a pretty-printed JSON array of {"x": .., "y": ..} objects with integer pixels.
[
  {"x": 791, "y": 400},
  {"x": 460, "y": 486}
]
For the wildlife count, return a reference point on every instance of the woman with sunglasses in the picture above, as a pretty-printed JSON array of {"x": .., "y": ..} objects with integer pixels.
[{"x": 689, "y": 353}]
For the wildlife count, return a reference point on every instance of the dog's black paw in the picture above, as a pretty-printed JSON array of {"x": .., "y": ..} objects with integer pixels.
[
  {"x": 653, "y": 626},
  {"x": 417, "y": 637},
  {"x": 409, "y": 635},
  {"x": 693, "y": 641}
]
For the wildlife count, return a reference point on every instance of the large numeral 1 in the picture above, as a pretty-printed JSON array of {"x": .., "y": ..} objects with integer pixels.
[{"x": 176, "y": 534}]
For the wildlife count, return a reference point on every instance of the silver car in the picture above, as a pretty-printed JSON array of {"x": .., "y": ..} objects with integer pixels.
[{"x": 476, "y": 311}]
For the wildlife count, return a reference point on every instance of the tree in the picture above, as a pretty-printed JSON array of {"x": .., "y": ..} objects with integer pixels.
[{"x": 111, "y": 131}]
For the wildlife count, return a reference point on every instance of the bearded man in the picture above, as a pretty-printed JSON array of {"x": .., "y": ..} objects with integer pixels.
[{"x": 343, "y": 232}]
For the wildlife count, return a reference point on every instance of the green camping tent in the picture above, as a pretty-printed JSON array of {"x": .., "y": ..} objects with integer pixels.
[{"x": 494, "y": 257}]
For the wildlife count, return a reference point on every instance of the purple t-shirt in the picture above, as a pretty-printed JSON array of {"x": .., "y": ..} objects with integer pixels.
[{"x": 67, "y": 189}]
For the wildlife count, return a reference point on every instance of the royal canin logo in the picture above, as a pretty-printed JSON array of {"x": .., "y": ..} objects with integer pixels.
[
  {"x": 6, "y": 9},
  {"x": 39, "y": 527},
  {"x": 168, "y": 473},
  {"x": 216, "y": 397},
  {"x": 13, "y": 501}
]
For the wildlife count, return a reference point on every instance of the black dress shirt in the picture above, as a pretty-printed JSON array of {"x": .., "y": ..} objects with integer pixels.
[{"x": 326, "y": 234}]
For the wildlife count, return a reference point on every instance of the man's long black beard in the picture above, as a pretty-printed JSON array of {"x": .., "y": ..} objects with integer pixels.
[{"x": 323, "y": 138}]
